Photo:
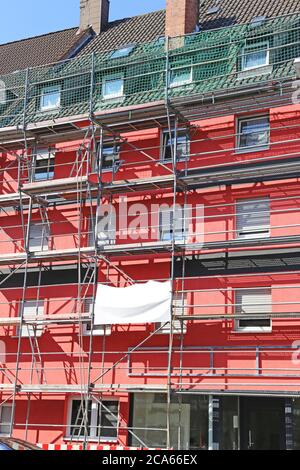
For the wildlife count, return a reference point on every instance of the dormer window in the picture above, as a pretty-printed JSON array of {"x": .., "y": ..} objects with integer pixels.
[
  {"x": 50, "y": 98},
  {"x": 112, "y": 87},
  {"x": 255, "y": 55},
  {"x": 180, "y": 77}
]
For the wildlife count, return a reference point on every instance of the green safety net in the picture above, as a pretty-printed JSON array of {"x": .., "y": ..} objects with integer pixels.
[{"x": 203, "y": 63}]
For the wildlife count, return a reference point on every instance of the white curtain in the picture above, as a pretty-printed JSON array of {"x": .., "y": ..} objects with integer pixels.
[{"x": 140, "y": 303}]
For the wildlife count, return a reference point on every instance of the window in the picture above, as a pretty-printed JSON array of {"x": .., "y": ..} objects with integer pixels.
[
  {"x": 253, "y": 134},
  {"x": 182, "y": 144},
  {"x": 180, "y": 77},
  {"x": 98, "y": 330},
  {"x": 39, "y": 237},
  {"x": 167, "y": 226},
  {"x": 179, "y": 309},
  {"x": 44, "y": 165},
  {"x": 102, "y": 420},
  {"x": 32, "y": 309},
  {"x": 122, "y": 52},
  {"x": 106, "y": 229},
  {"x": 5, "y": 419},
  {"x": 149, "y": 421},
  {"x": 110, "y": 157},
  {"x": 256, "y": 302},
  {"x": 255, "y": 55},
  {"x": 112, "y": 88},
  {"x": 253, "y": 218},
  {"x": 50, "y": 98}
]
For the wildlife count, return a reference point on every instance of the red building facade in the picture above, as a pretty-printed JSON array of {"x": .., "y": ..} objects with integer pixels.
[{"x": 201, "y": 189}]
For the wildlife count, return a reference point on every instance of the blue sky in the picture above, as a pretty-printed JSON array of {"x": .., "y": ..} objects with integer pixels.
[{"x": 33, "y": 17}]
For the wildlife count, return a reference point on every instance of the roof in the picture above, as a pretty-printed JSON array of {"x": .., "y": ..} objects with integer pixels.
[
  {"x": 240, "y": 11},
  {"x": 55, "y": 46},
  {"x": 138, "y": 29},
  {"x": 38, "y": 50},
  {"x": 148, "y": 27}
]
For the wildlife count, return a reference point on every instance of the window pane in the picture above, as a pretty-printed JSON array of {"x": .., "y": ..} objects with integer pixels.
[
  {"x": 5, "y": 418},
  {"x": 182, "y": 144},
  {"x": 50, "y": 98},
  {"x": 108, "y": 422},
  {"x": 113, "y": 88},
  {"x": 190, "y": 418},
  {"x": 77, "y": 422},
  {"x": 181, "y": 77},
  {"x": 254, "y": 132},
  {"x": 123, "y": 52},
  {"x": 255, "y": 59}
]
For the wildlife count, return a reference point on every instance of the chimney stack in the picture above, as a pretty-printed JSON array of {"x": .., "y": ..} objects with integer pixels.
[
  {"x": 182, "y": 17},
  {"x": 94, "y": 13}
]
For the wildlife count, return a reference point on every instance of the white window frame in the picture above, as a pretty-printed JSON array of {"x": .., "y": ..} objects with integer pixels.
[
  {"x": 116, "y": 157},
  {"x": 251, "y": 148},
  {"x": 165, "y": 136},
  {"x": 188, "y": 81},
  {"x": 255, "y": 46},
  {"x": 98, "y": 330},
  {"x": 94, "y": 418},
  {"x": 2, "y": 424},
  {"x": 259, "y": 231},
  {"x": 181, "y": 235},
  {"x": 264, "y": 316},
  {"x": 103, "y": 238},
  {"x": 111, "y": 78},
  {"x": 47, "y": 155},
  {"x": 44, "y": 238},
  {"x": 51, "y": 88},
  {"x": 37, "y": 307},
  {"x": 127, "y": 51},
  {"x": 179, "y": 308}
]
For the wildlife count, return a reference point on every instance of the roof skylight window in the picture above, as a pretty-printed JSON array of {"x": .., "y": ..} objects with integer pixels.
[
  {"x": 122, "y": 52},
  {"x": 258, "y": 20},
  {"x": 213, "y": 10}
]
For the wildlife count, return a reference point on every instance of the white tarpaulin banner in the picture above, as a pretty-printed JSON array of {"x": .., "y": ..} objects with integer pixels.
[{"x": 140, "y": 303}]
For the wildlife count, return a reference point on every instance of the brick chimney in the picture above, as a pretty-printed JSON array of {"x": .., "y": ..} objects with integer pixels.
[
  {"x": 94, "y": 13},
  {"x": 182, "y": 17}
]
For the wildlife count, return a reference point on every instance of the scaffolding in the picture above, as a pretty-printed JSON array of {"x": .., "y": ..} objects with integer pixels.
[{"x": 165, "y": 84}]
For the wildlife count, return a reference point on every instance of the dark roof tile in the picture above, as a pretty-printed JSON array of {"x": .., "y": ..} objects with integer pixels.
[
  {"x": 36, "y": 51},
  {"x": 139, "y": 29}
]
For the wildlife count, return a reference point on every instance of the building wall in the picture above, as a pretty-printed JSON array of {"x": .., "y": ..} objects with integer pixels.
[{"x": 212, "y": 142}]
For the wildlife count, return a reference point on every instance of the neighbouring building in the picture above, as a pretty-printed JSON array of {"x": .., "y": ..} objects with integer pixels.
[{"x": 163, "y": 147}]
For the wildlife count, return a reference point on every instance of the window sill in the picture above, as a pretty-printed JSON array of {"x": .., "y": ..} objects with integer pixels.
[
  {"x": 253, "y": 331},
  {"x": 90, "y": 439},
  {"x": 252, "y": 149},
  {"x": 255, "y": 72}
]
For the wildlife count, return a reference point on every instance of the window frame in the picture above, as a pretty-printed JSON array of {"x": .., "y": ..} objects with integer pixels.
[
  {"x": 252, "y": 329},
  {"x": 261, "y": 232},
  {"x": 165, "y": 136},
  {"x": 184, "y": 228},
  {"x": 129, "y": 48},
  {"x": 45, "y": 237},
  {"x": 93, "y": 437},
  {"x": 239, "y": 122},
  {"x": 5, "y": 405},
  {"x": 177, "y": 329},
  {"x": 112, "y": 78},
  {"x": 245, "y": 54},
  {"x": 98, "y": 330},
  {"x": 48, "y": 171},
  {"x": 115, "y": 163},
  {"x": 44, "y": 108},
  {"x": 188, "y": 81},
  {"x": 29, "y": 331}
]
